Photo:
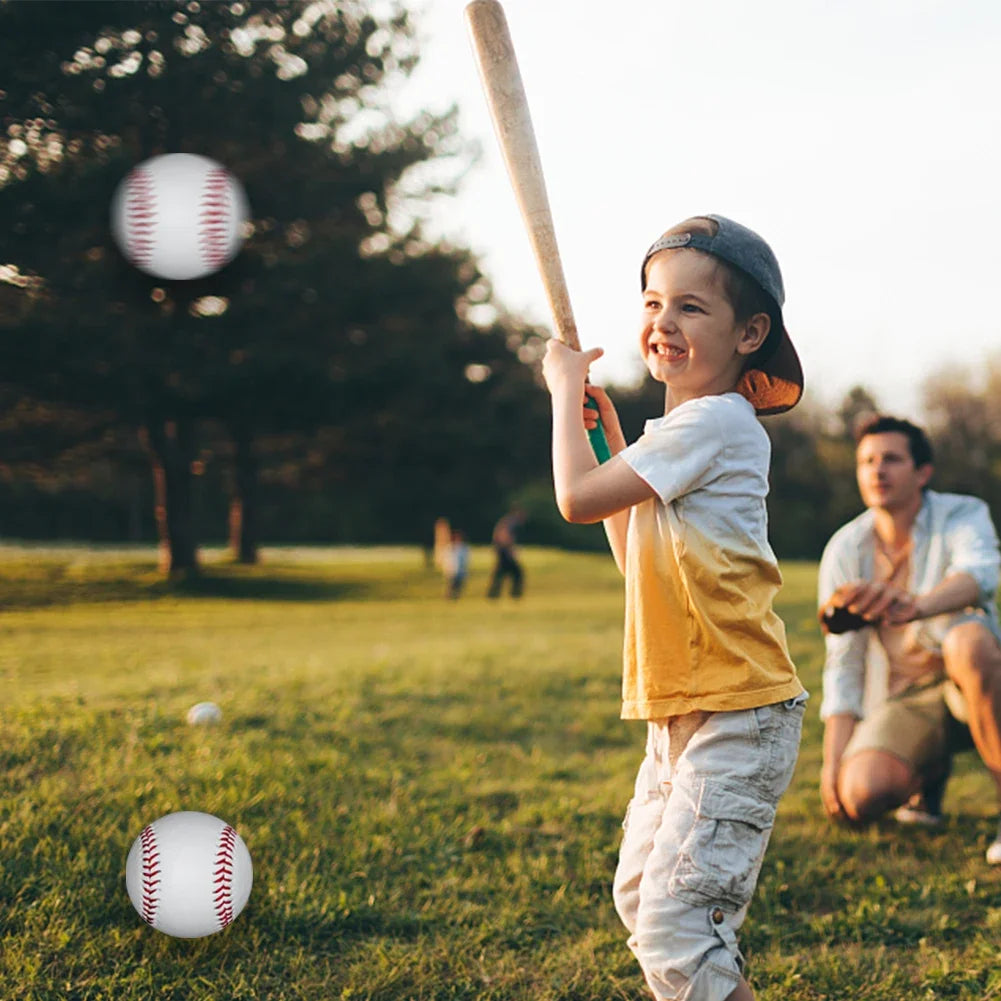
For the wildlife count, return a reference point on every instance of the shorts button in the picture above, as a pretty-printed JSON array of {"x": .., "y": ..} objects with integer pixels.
[{"x": 717, "y": 915}]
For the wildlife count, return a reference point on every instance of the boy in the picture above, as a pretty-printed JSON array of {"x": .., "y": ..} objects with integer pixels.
[
  {"x": 458, "y": 563},
  {"x": 705, "y": 657}
]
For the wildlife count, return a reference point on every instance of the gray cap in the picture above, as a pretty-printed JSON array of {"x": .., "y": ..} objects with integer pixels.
[{"x": 775, "y": 384}]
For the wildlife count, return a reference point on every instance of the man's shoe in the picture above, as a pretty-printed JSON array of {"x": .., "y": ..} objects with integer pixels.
[
  {"x": 915, "y": 814},
  {"x": 994, "y": 850},
  {"x": 924, "y": 808}
]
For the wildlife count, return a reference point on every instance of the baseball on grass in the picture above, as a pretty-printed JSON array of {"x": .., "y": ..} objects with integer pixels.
[
  {"x": 179, "y": 216},
  {"x": 202, "y": 713},
  {"x": 188, "y": 874}
]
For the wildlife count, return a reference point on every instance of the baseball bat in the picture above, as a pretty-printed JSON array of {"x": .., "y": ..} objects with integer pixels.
[{"x": 505, "y": 93}]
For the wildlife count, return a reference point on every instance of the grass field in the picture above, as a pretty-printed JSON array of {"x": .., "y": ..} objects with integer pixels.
[{"x": 431, "y": 793}]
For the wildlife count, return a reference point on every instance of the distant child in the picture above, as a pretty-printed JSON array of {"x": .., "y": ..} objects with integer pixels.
[
  {"x": 442, "y": 543},
  {"x": 506, "y": 562},
  {"x": 705, "y": 657},
  {"x": 458, "y": 563}
]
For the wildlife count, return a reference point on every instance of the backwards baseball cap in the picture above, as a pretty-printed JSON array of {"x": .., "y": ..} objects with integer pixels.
[{"x": 774, "y": 382}]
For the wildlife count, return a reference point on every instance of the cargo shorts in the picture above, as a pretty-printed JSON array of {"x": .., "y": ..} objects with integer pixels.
[{"x": 695, "y": 837}]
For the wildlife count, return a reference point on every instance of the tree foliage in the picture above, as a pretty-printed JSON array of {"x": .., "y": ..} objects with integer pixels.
[
  {"x": 964, "y": 422},
  {"x": 352, "y": 378},
  {"x": 338, "y": 314}
]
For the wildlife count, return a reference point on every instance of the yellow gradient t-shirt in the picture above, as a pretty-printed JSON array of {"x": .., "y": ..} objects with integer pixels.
[{"x": 701, "y": 577}]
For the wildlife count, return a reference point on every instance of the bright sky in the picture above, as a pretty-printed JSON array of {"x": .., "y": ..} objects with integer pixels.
[{"x": 861, "y": 139}]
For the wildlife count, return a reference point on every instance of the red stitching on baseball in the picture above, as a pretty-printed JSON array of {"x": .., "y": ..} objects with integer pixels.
[
  {"x": 223, "y": 876},
  {"x": 215, "y": 210},
  {"x": 150, "y": 874},
  {"x": 140, "y": 217}
]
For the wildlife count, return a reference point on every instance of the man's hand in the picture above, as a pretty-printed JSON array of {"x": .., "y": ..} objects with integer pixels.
[
  {"x": 877, "y": 601},
  {"x": 829, "y": 793},
  {"x": 904, "y": 608},
  {"x": 838, "y": 730}
]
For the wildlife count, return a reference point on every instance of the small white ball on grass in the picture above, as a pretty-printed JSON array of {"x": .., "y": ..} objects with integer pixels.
[{"x": 204, "y": 713}]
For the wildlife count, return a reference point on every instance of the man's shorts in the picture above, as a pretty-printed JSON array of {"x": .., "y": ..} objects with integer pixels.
[{"x": 915, "y": 726}]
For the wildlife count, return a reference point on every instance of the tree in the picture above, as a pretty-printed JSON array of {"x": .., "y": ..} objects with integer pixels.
[
  {"x": 335, "y": 309},
  {"x": 857, "y": 407},
  {"x": 964, "y": 424},
  {"x": 69, "y": 473},
  {"x": 812, "y": 489}
]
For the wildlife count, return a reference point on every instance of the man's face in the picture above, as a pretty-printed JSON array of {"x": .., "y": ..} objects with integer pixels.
[{"x": 887, "y": 476}]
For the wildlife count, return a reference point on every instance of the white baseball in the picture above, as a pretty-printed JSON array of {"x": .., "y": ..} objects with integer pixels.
[
  {"x": 179, "y": 216},
  {"x": 204, "y": 712},
  {"x": 188, "y": 874}
]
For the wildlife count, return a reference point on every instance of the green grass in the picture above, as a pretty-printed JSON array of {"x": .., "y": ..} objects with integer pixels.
[{"x": 431, "y": 792}]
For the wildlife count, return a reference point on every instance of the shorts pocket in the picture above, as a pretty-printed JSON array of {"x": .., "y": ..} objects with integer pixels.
[{"x": 721, "y": 854}]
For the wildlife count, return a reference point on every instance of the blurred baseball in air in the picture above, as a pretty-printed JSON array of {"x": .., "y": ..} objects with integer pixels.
[{"x": 179, "y": 216}]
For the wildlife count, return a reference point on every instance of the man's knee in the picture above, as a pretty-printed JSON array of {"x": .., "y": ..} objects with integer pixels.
[
  {"x": 872, "y": 783},
  {"x": 972, "y": 655}
]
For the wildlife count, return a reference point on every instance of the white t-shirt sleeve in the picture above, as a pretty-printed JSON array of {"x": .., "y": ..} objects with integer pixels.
[
  {"x": 845, "y": 653},
  {"x": 681, "y": 452}
]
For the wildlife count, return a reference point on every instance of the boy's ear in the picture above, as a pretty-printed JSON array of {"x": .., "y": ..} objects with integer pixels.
[{"x": 755, "y": 331}]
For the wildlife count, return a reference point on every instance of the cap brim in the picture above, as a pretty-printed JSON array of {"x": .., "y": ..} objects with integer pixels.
[{"x": 777, "y": 385}]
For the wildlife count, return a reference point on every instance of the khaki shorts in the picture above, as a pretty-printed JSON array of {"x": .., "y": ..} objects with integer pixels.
[
  {"x": 695, "y": 835},
  {"x": 915, "y": 726}
]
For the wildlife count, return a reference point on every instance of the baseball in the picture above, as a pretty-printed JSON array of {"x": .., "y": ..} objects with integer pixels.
[
  {"x": 204, "y": 712},
  {"x": 188, "y": 874},
  {"x": 179, "y": 216}
]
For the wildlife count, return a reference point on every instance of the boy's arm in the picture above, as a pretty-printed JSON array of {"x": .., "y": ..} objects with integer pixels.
[
  {"x": 586, "y": 492},
  {"x": 616, "y": 530}
]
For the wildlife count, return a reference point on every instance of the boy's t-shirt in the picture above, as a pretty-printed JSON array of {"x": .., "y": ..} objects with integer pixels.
[{"x": 701, "y": 577}]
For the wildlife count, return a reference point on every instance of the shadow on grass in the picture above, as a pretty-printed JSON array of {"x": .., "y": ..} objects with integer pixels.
[
  {"x": 284, "y": 588},
  {"x": 22, "y": 595},
  {"x": 334, "y": 934}
]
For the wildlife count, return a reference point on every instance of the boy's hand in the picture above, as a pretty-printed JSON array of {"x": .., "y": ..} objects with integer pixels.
[
  {"x": 563, "y": 368},
  {"x": 609, "y": 418}
]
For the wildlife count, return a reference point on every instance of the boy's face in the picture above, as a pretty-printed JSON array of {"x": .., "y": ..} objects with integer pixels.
[
  {"x": 887, "y": 476},
  {"x": 689, "y": 336}
]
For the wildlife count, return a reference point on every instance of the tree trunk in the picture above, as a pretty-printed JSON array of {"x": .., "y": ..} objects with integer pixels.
[
  {"x": 243, "y": 504},
  {"x": 172, "y": 450}
]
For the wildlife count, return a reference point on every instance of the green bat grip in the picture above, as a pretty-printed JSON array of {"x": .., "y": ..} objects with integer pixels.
[{"x": 597, "y": 437}]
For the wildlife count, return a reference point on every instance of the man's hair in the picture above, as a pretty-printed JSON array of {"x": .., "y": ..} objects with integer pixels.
[
  {"x": 917, "y": 440},
  {"x": 746, "y": 297}
]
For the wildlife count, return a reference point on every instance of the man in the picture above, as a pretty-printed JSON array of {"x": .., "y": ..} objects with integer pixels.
[{"x": 913, "y": 645}]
